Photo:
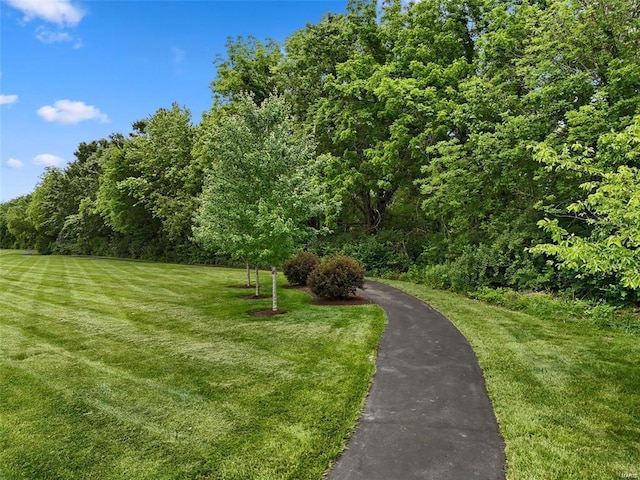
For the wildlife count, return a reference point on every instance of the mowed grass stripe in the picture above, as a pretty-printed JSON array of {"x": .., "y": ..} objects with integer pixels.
[
  {"x": 158, "y": 331},
  {"x": 164, "y": 389},
  {"x": 131, "y": 277},
  {"x": 99, "y": 335},
  {"x": 23, "y": 352},
  {"x": 65, "y": 285}
]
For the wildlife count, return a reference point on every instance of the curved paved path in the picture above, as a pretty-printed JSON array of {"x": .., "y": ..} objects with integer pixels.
[{"x": 427, "y": 415}]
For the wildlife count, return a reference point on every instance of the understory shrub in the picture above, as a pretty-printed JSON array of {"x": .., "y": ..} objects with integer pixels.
[
  {"x": 555, "y": 308},
  {"x": 298, "y": 268},
  {"x": 484, "y": 265},
  {"x": 337, "y": 278},
  {"x": 386, "y": 252},
  {"x": 380, "y": 254},
  {"x": 446, "y": 276}
]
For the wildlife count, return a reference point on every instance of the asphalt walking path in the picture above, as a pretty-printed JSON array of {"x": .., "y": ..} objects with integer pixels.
[{"x": 428, "y": 415}]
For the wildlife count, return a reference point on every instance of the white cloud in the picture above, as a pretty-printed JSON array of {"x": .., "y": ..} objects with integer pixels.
[
  {"x": 47, "y": 36},
  {"x": 13, "y": 163},
  {"x": 66, "y": 111},
  {"x": 47, "y": 160},
  {"x": 60, "y": 12},
  {"x": 8, "y": 99}
]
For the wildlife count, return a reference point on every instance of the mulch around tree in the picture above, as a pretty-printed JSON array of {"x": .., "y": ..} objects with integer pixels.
[{"x": 352, "y": 300}]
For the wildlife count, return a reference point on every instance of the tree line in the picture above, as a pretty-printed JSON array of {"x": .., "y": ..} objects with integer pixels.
[{"x": 484, "y": 142}]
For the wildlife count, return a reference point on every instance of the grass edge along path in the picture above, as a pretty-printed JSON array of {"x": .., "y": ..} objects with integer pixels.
[
  {"x": 131, "y": 370},
  {"x": 566, "y": 394}
]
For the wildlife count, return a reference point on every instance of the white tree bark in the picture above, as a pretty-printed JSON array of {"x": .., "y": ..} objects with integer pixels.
[
  {"x": 274, "y": 288},
  {"x": 248, "y": 275},
  {"x": 257, "y": 282}
]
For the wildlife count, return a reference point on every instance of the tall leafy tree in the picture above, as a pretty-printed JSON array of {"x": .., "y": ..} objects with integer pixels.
[
  {"x": 392, "y": 97},
  {"x": 85, "y": 231},
  {"x": 47, "y": 210},
  {"x": 169, "y": 178},
  {"x": 261, "y": 189},
  {"x": 150, "y": 183},
  {"x": 346, "y": 120},
  {"x": 119, "y": 199},
  {"x": 582, "y": 66},
  {"x": 7, "y": 239},
  {"x": 472, "y": 174},
  {"x": 538, "y": 76},
  {"x": 312, "y": 55},
  {"x": 19, "y": 224},
  {"x": 431, "y": 54}
]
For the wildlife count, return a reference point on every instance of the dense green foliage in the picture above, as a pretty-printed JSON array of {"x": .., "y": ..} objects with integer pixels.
[
  {"x": 336, "y": 278},
  {"x": 260, "y": 188},
  {"x": 611, "y": 209},
  {"x": 131, "y": 370},
  {"x": 490, "y": 143}
]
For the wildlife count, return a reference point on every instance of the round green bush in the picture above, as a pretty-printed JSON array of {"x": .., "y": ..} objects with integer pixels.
[
  {"x": 337, "y": 278},
  {"x": 298, "y": 268}
]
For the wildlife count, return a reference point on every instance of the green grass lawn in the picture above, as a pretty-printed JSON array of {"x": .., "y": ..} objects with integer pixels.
[
  {"x": 566, "y": 393},
  {"x": 114, "y": 369}
]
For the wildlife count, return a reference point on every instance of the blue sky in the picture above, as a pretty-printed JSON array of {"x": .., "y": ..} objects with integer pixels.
[{"x": 73, "y": 71}]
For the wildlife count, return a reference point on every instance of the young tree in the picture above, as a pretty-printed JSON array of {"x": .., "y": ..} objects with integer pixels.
[{"x": 260, "y": 190}]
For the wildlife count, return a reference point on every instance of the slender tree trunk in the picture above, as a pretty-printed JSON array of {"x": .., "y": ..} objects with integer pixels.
[
  {"x": 257, "y": 282},
  {"x": 274, "y": 288},
  {"x": 248, "y": 275}
]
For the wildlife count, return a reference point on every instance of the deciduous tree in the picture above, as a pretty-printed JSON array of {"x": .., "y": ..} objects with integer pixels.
[{"x": 261, "y": 188}]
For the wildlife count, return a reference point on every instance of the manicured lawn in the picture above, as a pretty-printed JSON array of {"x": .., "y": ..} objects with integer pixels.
[
  {"x": 566, "y": 393},
  {"x": 128, "y": 370}
]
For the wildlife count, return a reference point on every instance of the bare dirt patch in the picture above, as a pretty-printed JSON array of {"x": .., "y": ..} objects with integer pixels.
[
  {"x": 353, "y": 300},
  {"x": 256, "y": 297}
]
